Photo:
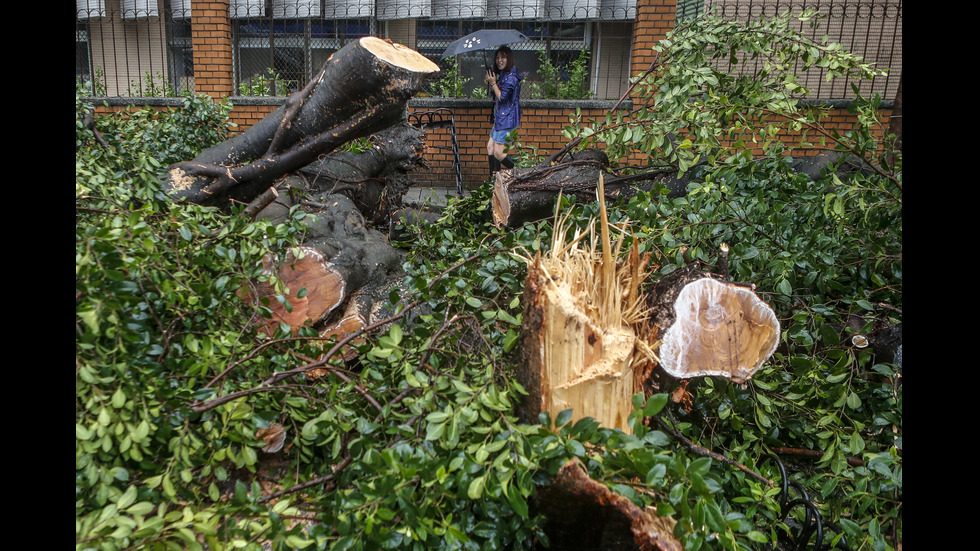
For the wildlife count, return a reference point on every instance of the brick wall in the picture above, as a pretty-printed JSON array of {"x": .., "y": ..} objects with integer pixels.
[
  {"x": 540, "y": 134},
  {"x": 653, "y": 19},
  {"x": 211, "y": 36}
]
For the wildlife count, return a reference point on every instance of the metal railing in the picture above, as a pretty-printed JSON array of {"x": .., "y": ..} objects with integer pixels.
[
  {"x": 871, "y": 29},
  {"x": 134, "y": 48},
  {"x": 145, "y": 48}
]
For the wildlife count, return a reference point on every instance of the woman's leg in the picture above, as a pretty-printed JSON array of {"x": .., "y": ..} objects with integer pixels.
[
  {"x": 499, "y": 153},
  {"x": 491, "y": 159}
]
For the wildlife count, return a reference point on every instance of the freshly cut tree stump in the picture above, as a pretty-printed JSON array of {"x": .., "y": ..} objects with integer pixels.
[
  {"x": 718, "y": 329},
  {"x": 596, "y": 329},
  {"x": 361, "y": 89}
]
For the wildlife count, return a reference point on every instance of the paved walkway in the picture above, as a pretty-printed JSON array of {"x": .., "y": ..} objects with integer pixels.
[{"x": 432, "y": 196}]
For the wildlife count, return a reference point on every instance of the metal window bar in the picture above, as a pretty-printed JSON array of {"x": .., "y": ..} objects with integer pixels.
[
  {"x": 126, "y": 48},
  {"x": 441, "y": 118},
  {"x": 871, "y": 29},
  {"x": 278, "y": 46},
  {"x": 146, "y": 48},
  {"x": 562, "y": 41}
]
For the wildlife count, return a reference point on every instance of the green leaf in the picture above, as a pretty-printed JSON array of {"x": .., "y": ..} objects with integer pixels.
[
  {"x": 563, "y": 417},
  {"x": 127, "y": 498},
  {"x": 475, "y": 489},
  {"x": 517, "y": 501},
  {"x": 655, "y": 404},
  {"x": 784, "y": 287}
]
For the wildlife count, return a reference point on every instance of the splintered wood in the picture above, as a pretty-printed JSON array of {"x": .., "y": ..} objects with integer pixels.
[
  {"x": 580, "y": 341},
  {"x": 592, "y": 336}
]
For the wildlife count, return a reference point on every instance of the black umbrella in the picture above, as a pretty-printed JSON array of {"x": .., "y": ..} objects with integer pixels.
[{"x": 484, "y": 40}]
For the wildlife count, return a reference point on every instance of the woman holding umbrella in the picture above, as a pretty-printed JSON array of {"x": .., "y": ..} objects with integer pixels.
[{"x": 505, "y": 84}]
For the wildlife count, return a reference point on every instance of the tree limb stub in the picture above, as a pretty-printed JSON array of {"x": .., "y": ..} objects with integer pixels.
[
  {"x": 584, "y": 514},
  {"x": 340, "y": 257},
  {"x": 362, "y": 88},
  {"x": 528, "y": 195}
]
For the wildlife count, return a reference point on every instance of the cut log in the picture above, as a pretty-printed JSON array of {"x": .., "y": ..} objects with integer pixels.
[
  {"x": 714, "y": 328},
  {"x": 528, "y": 195},
  {"x": 361, "y": 89},
  {"x": 596, "y": 328},
  {"x": 312, "y": 286},
  {"x": 341, "y": 258},
  {"x": 584, "y": 514}
]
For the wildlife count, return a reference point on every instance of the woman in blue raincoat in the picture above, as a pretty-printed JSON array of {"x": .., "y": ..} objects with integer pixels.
[{"x": 505, "y": 84}]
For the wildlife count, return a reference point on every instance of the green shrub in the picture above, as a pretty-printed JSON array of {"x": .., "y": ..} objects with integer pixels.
[
  {"x": 567, "y": 81},
  {"x": 414, "y": 444},
  {"x": 450, "y": 83}
]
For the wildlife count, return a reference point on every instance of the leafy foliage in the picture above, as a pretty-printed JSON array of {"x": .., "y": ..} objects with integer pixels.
[
  {"x": 689, "y": 108},
  {"x": 566, "y": 81},
  {"x": 269, "y": 84},
  {"x": 825, "y": 252},
  {"x": 413, "y": 444},
  {"x": 451, "y": 83}
]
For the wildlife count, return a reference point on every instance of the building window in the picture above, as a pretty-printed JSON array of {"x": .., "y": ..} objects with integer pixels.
[
  {"x": 279, "y": 44},
  {"x": 561, "y": 42}
]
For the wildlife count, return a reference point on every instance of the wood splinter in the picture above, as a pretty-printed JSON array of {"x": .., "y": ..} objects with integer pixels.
[{"x": 595, "y": 327}]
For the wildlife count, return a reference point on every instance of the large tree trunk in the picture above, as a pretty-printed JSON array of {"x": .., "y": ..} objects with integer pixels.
[
  {"x": 361, "y": 89},
  {"x": 595, "y": 329},
  {"x": 528, "y": 195},
  {"x": 340, "y": 276},
  {"x": 344, "y": 268}
]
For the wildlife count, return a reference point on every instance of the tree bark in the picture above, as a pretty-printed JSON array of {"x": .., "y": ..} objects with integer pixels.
[
  {"x": 528, "y": 195},
  {"x": 584, "y": 514},
  {"x": 361, "y": 89},
  {"x": 375, "y": 180},
  {"x": 339, "y": 277}
]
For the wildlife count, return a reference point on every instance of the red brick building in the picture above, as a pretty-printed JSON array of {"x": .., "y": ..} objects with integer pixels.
[{"x": 130, "y": 49}]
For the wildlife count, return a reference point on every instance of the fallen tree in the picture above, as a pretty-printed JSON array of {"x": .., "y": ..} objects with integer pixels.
[
  {"x": 529, "y": 194},
  {"x": 361, "y": 89},
  {"x": 178, "y": 409},
  {"x": 332, "y": 280}
]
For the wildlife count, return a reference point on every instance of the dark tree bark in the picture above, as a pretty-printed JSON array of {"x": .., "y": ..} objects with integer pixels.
[
  {"x": 527, "y": 195},
  {"x": 344, "y": 267},
  {"x": 584, "y": 514},
  {"x": 361, "y": 89},
  {"x": 340, "y": 275},
  {"x": 375, "y": 180}
]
